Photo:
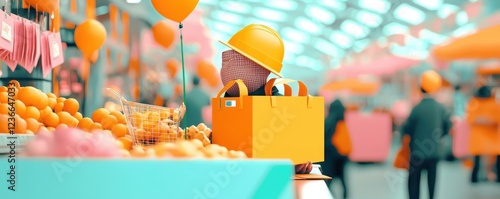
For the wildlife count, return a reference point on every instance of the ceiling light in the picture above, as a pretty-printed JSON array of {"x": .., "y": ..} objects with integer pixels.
[
  {"x": 336, "y": 5},
  {"x": 429, "y": 4},
  {"x": 341, "y": 39},
  {"x": 380, "y": 6},
  {"x": 233, "y": 6},
  {"x": 133, "y": 1},
  {"x": 295, "y": 35},
  {"x": 270, "y": 14},
  {"x": 227, "y": 17},
  {"x": 283, "y": 5},
  {"x": 446, "y": 10},
  {"x": 409, "y": 14},
  {"x": 305, "y": 24},
  {"x": 293, "y": 47},
  {"x": 462, "y": 18},
  {"x": 320, "y": 14},
  {"x": 395, "y": 28},
  {"x": 369, "y": 19},
  {"x": 355, "y": 29}
]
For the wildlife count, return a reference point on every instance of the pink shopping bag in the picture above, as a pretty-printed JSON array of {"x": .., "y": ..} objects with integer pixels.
[
  {"x": 461, "y": 133},
  {"x": 7, "y": 33},
  {"x": 371, "y": 136}
]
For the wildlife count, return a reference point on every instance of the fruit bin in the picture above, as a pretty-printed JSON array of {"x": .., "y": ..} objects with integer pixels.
[
  {"x": 141, "y": 178},
  {"x": 149, "y": 124}
]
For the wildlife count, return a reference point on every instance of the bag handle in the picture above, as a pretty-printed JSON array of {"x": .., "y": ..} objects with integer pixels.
[
  {"x": 273, "y": 82},
  {"x": 241, "y": 86},
  {"x": 242, "y": 90}
]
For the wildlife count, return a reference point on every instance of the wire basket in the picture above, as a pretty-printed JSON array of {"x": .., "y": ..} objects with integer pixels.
[{"x": 149, "y": 124}]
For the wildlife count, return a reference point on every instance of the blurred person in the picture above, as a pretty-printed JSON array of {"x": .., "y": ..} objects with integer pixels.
[
  {"x": 196, "y": 100},
  {"x": 483, "y": 116},
  {"x": 427, "y": 124},
  {"x": 459, "y": 102},
  {"x": 334, "y": 163},
  {"x": 237, "y": 66}
]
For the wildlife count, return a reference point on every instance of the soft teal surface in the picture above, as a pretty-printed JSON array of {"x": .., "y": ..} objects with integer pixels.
[{"x": 136, "y": 179}]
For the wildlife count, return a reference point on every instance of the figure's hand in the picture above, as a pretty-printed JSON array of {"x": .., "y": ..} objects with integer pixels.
[
  {"x": 303, "y": 168},
  {"x": 182, "y": 110}
]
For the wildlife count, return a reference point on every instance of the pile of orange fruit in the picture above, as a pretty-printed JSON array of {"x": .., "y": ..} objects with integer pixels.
[
  {"x": 184, "y": 149},
  {"x": 35, "y": 110}
]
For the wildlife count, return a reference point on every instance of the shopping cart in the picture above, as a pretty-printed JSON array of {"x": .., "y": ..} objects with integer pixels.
[{"x": 149, "y": 124}]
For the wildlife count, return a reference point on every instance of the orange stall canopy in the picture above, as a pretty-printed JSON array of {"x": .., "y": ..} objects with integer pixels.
[
  {"x": 355, "y": 86},
  {"x": 484, "y": 44},
  {"x": 488, "y": 70}
]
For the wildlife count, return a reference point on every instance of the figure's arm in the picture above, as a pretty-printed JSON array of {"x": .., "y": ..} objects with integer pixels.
[{"x": 409, "y": 125}]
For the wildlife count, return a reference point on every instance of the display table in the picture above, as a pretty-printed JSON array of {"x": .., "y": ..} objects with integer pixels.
[
  {"x": 316, "y": 189},
  {"x": 131, "y": 178}
]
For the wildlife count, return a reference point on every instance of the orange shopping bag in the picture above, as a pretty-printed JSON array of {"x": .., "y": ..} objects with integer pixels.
[
  {"x": 402, "y": 160},
  {"x": 287, "y": 126},
  {"x": 341, "y": 139}
]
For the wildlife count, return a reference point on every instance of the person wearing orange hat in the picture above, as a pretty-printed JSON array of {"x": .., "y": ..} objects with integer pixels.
[
  {"x": 483, "y": 116},
  {"x": 256, "y": 52},
  {"x": 427, "y": 124}
]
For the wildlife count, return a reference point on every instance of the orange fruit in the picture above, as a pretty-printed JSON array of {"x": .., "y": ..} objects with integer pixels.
[
  {"x": 20, "y": 108},
  {"x": 108, "y": 122},
  {"x": 60, "y": 99},
  {"x": 29, "y": 95},
  {"x": 51, "y": 129},
  {"x": 151, "y": 126},
  {"x": 4, "y": 97},
  {"x": 3, "y": 88},
  {"x": 33, "y": 125},
  {"x": 137, "y": 119},
  {"x": 154, "y": 117},
  {"x": 58, "y": 107},
  {"x": 119, "y": 130},
  {"x": 4, "y": 123},
  {"x": 42, "y": 128},
  {"x": 4, "y": 109},
  {"x": 21, "y": 126},
  {"x": 85, "y": 123},
  {"x": 50, "y": 120},
  {"x": 42, "y": 102},
  {"x": 51, "y": 102},
  {"x": 127, "y": 142},
  {"x": 45, "y": 111},
  {"x": 66, "y": 118},
  {"x": 139, "y": 134},
  {"x": 95, "y": 127},
  {"x": 78, "y": 116},
  {"x": 119, "y": 116},
  {"x": 71, "y": 106},
  {"x": 51, "y": 95},
  {"x": 62, "y": 126},
  {"x": 16, "y": 83},
  {"x": 99, "y": 114},
  {"x": 32, "y": 112}
]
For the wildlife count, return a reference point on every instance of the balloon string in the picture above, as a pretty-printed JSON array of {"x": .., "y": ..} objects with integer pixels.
[{"x": 183, "y": 122}]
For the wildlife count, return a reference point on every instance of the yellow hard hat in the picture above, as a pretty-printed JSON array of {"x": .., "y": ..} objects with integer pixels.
[
  {"x": 431, "y": 81},
  {"x": 261, "y": 44}
]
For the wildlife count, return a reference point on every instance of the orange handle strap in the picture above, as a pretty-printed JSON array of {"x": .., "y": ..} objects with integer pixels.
[
  {"x": 273, "y": 82},
  {"x": 242, "y": 89}
]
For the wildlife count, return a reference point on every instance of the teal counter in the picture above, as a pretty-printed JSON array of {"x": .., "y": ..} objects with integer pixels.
[{"x": 144, "y": 179}]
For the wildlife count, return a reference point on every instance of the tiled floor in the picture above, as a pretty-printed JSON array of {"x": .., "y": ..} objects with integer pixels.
[{"x": 381, "y": 181}]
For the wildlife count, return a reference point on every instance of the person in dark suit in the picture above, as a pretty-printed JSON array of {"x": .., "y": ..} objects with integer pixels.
[
  {"x": 427, "y": 124},
  {"x": 196, "y": 100},
  {"x": 334, "y": 164}
]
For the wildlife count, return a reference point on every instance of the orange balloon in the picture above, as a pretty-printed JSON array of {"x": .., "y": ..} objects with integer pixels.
[
  {"x": 172, "y": 67},
  {"x": 431, "y": 81},
  {"x": 206, "y": 69},
  {"x": 163, "y": 33},
  {"x": 90, "y": 36},
  {"x": 43, "y": 5},
  {"x": 175, "y": 10}
]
